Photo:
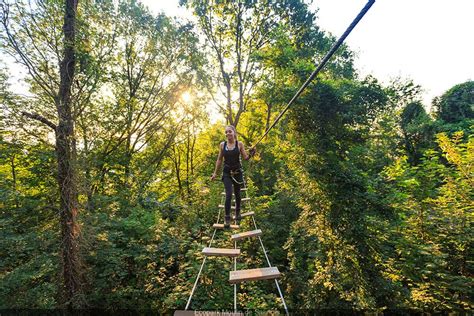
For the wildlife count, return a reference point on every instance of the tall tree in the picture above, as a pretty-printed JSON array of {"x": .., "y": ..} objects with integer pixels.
[
  {"x": 66, "y": 157},
  {"x": 236, "y": 31},
  {"x": 457, "y": 103},
  {"x": 59, "y": 92},
  {"x": 330, "y": 240},
  {"x": 454, "y": 109},
  {"x": 127, "y": 132},
  {"x": 432, "y": 236}
]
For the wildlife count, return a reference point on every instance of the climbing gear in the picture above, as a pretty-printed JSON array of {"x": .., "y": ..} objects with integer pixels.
[
  {"x": 231, "y": 157},
  {"x": 252, "y": 151},
  {"x": 234, "y": 173}
]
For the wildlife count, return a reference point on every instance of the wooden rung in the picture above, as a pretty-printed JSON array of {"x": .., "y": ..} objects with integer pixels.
[
  {"x": 244, "y": 199},
  {"x": 221, "y": 226},
  {"x": 221, "y": 252},
  {"x": 254, "y": 274},
  {"x": 223, "y": 206},
  {"x": 248, "y": 234},
  {"x": 244, "y": 214},
  {"x": 241, "y": 189}
]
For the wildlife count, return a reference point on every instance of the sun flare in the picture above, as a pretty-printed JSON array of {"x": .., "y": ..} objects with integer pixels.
[{"x": 186, "y": 97}]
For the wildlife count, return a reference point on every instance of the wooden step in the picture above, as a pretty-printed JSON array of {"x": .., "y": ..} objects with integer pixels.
[
  {"x": 232, "y": 207},
  {"x": 221, "y": 252},
  {"x": 248, "y": 234},
  {"x": 241, "y": 189},
  {"x": 243, "y": 199},
  {"x": 221, "y": 226},
  {"x": 254, "y": 274},
  {"x": 244, "y": 214},
  {"x": 223, "y": 206}
]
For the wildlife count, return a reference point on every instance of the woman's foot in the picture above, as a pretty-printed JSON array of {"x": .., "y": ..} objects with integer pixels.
[
  {"x": 227, "y": 222},
  {"x": 238, "y": 218}
]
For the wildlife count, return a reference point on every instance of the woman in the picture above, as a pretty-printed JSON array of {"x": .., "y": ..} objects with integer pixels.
[{"x": 230, "y": 151}]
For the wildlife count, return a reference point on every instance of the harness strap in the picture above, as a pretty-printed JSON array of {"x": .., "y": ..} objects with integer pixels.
[{"x": 233, "y": 173}]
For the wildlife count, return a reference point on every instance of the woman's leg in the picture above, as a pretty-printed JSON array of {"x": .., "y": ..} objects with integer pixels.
[
  {"x": 238, "y": 200},
  {"x": 228, "y": 198}
]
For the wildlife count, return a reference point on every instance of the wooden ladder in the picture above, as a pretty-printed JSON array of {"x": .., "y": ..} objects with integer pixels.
[{"x": 238, "y": 276}]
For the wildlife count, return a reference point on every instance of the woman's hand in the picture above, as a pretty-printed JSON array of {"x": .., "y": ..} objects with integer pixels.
[
  {"x": 213, "y": 177},
  {"x": 252, "y": 152}
]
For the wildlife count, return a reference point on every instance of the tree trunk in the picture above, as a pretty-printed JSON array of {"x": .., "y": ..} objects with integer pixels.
[
  {"x": 65, "y": 151},
  {"x": 269, "y": 114},
  {"x": 15, "y": 192},
  {"x": 87, "y": 172},
  {"x": 188, "y": 152},
  {"x": 238, "y": 51},
  {"x": 177, "y": 166}
]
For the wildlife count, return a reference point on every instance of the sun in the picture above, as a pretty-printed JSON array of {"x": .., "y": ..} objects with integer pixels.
[{"x": 186, "y": 97}]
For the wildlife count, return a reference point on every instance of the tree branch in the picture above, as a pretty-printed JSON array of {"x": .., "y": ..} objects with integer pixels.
[{"x": 36, "y": 116}]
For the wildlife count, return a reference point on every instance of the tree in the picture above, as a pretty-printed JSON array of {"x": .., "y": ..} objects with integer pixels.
[
  {"x": 236, "y": 31},
  {"x": 432, "y": 237},
  {"x": 456, "y": 104},
  {"x": 64, "y": 133},
  {"x": 127, "y": 133},
  {"x": 332, "y": 178},
  {"x": 418, "y": 131},
  {"x": 66, "y": 156}
]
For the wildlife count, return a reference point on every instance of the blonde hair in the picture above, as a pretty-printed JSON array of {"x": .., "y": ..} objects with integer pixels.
[{"x": 232, "y": 127}]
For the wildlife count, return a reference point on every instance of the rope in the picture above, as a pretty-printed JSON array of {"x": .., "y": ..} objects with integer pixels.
[
  {"x": 268, "y": 261},
  {"x": 203, "y": 262},
  {"x": 320, "y": 66}
]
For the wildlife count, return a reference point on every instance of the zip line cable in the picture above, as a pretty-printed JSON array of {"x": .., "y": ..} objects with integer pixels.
[{"x": 320, "y": 66}]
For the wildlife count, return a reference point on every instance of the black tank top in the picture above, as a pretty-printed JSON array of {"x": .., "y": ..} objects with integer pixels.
[{"x": 231, "y": 157}]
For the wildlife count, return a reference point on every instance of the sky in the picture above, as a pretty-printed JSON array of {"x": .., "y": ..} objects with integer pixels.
[{"x": 428, "y": 41}]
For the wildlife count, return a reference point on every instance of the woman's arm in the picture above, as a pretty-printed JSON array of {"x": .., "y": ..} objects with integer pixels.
[
  {"x": 218, "y": 161},
  {"x": 243, "y": 152}
]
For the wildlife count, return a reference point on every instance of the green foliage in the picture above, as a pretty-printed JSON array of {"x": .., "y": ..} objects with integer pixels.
[
  {"x": 330, "y": 239},
  {"x": 457, "y": 104},
  {"x": 434, "y": 239},
  {"x": 29, "y": 239},
  {"x": 363, "y": 206},
  {"x": 418, "y": 130}
]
